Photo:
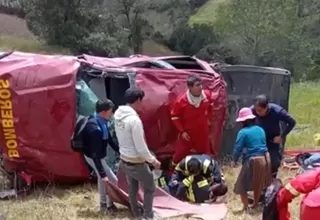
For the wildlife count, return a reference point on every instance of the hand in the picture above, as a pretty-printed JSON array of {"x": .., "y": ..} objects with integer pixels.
[
  {"x": 105, "y": 179},
  {"x": 174, "y": 182},
  {"x": 277, "y": 140},
  {"x": 185, "y": 136},
  {"x": 233, "y": 164},
  {"x": 157, "y": 164}
]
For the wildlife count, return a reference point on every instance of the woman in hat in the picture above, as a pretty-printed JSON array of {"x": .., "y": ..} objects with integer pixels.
[{"x": 255, "y": 174}]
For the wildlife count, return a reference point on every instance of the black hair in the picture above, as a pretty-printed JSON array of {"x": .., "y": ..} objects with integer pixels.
[
  {"x": 104, "y": 105},
  {"x": 132, "y": 95},
  {"x": 249, "y": 122},
  {"x": 194, "y": 166},
  {"x": 218, "y": 190},
  {"x": 261, "y": 101},
  {"x": 193, "y": 79}
]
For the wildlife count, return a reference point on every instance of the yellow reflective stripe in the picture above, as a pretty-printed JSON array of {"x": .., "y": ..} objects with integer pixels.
[
  {"x": 292, "y": 190},
  {"x": 178, "y": 168},
  {"x": 162, "y": 182},
  {"x": 202, "y": 183},
  {"x": 190, "y": 194},
  {"x": 174, "y": 118},
  {"x": 206, "y": 164},
  {"x": 188, "y": 181},
  {"x": 186, "y": 164},
  {"x": 156, "y": 183}
]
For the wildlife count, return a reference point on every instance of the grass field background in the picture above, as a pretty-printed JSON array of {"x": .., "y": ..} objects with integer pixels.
[{"x": 71, "y": 203}]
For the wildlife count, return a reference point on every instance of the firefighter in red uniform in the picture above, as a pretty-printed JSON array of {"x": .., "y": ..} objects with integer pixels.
[
  {"x": 307, "y": 183},
  {"x": 190, "y": 115}
]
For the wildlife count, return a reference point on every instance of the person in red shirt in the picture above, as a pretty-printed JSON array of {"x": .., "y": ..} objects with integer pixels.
[
  {"x": 307, "y": 183},
  {"x": 190, "y": 114}
]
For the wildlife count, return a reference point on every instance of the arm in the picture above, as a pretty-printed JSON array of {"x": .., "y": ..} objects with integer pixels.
[
  {"x": 285, "y": 117},
  {"x": 217, "y": 173},
  {"x": 210, "y": 109},
  {"x": 238, "y": 146},
  {"x": 178, "y": 172},
  {"x": 175, "y": 116},
  {"x": 182, "y": 188},
  {"x": 315, "y": 158},
  {"x": 139, "y": 141},
  {"x": 95, "y": 136},
  {"x": 112, "y": 143}
]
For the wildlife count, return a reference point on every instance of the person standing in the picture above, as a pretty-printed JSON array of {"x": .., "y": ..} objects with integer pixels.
[
  {"x": 190, "y": 115},
  {"x": 269, "y": 116},
  {"x": 96, "y": 138},
  {"x": 134, "y": 153},
  {"x": 255, "y": 174}
]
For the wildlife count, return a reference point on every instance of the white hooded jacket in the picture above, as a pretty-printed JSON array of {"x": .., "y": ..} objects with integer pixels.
[{"x": 130, "y": 134}]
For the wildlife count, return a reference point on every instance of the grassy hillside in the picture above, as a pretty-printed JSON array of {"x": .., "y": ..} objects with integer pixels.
[
  {"x": 206, "y": 13},
  {"x": 14, "y": 35}
]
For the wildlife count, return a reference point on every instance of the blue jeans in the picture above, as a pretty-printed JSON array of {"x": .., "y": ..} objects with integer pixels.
[{"x": 104, "y": 198}]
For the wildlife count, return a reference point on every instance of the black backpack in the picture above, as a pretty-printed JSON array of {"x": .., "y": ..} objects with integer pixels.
[
  {"x": 270, "y": 209},
  {"x": 77, "y": 144}
]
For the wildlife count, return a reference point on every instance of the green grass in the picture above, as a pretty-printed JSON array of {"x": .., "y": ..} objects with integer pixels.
[
  {"x": 206, "y": 14},
  {"x": 305, "y": 107},
  {"x": 8, "y": 43}
]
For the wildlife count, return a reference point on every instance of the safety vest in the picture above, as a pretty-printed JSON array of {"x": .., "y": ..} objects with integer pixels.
[
  {"x": 197, "y": 189},
  {"x": 183, "y": 165},
  {"x": 161, "y": 182}
]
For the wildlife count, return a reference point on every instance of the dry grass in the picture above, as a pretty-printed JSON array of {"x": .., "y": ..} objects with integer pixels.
[{"x": 71, "y": 203}]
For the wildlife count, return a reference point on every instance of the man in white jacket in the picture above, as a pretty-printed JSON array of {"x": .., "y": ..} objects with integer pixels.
[{"x": 134, "y": 153}]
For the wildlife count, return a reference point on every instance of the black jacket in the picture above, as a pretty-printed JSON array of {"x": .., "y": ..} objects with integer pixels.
[{"x": 95, "y": 147}]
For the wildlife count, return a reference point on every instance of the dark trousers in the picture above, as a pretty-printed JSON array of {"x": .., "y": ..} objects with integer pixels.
[{"x": 276, "y": 157}]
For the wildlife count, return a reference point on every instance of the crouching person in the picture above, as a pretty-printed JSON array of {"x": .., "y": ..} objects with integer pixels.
[
  {"x": 96, "y": 138},
  {"x": 197, "y": 165}
]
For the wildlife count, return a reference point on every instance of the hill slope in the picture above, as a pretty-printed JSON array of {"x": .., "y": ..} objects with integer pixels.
[
  {"x": 206, "y": 13},
  {"x": 14, "y": 35}
]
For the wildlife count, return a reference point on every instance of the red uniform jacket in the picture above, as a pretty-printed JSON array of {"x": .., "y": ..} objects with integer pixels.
[
  {"x": 307, "y": 183},
  {"x": 193, "y": 120}
]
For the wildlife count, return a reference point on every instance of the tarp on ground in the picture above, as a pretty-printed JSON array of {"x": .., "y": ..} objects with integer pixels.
[{"x": 165, "y": 205}]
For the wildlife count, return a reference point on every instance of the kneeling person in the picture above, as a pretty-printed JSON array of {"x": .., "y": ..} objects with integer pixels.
[{"x": 201, "y": 170}]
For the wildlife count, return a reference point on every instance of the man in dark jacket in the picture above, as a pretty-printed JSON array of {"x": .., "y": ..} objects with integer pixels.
[
  {"x": 269, "y": 116},
  {"x": 96, "y": 139}
]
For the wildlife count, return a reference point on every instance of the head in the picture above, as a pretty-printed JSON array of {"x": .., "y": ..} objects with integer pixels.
[
  {"x": 194, "y": 85},
  {"x": 248, "y": 123},
  {"x": 246, "y": 117},
  {"x": 105, "y": 108},
  {"x": 194, "y": 166},
  {"x": 261, "y": 105},
  {"x": 134, "y": 97},
  {"x": 218, "y": 190}
]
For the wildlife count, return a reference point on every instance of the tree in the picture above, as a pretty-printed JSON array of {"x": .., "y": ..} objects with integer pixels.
[
  {"x": 132, "y": 17},
  {"x": 264, "y": 32},
  {"x": 74, "y": 24}
]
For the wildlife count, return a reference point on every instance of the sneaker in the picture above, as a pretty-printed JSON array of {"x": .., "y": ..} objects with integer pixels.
[
  {"x": 112, "y": 208},
  {"x": 108, "y": 209}
]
